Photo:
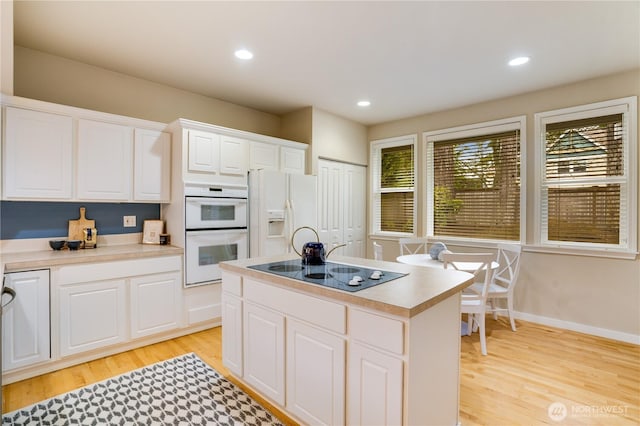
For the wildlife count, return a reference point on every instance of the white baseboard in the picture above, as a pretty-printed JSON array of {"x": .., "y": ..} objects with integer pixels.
[{"x": 580, "y": 328}]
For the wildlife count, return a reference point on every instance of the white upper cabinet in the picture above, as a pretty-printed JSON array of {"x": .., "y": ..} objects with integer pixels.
[
  {"x": 38, "y": 155},
  {"x": 234, "y": 156},
  {"x": 152, "y": 165},
  {"x": 105, "y": 163},
  {"x": 292, "y": 160},
  {"x": 57, "y": 152},
  {"x": 204, "y": 152},
  {"x": 276, "y": 157},
  {"x": 264, "y": 156},
  {"x": 215, "y": 154}
]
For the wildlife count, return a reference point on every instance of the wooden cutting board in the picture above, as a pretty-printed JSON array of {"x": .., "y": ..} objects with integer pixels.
[{"x": 76, "y": 226}]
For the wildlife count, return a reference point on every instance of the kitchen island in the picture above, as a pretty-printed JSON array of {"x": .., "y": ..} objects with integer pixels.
[{"x": 387, "y": 354}]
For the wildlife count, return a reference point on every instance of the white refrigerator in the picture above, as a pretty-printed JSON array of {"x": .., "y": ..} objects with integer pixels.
[{"x": 280, "y": 203}]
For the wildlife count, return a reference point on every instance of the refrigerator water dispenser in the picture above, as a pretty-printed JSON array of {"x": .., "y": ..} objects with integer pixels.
[{"x": 276, "y": 223}]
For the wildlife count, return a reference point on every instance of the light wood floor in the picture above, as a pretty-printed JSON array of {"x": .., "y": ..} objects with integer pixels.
[{"x": 597, "y": 380}]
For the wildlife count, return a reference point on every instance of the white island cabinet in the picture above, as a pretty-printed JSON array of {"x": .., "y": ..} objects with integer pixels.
[{"x": 386, "y": 355}]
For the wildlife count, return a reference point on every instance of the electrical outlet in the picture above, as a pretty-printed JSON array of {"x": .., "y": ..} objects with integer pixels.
[{"x": 129, "y": 221}]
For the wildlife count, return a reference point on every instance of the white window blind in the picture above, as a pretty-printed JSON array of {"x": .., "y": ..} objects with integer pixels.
[
  {"x": 587, "y": 186},
  {"x": 476, "y": 186},
  {"x": 393, "y": 181}
]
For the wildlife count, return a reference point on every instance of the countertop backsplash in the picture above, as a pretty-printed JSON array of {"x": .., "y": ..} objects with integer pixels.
[{"x": 50, "y": 220}]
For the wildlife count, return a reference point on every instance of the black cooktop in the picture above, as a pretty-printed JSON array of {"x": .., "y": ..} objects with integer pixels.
[{"x": 334, "y": 275}]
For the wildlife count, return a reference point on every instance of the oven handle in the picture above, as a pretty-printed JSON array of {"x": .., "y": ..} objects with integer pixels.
[
  {"x": 200, "y": 201},
  {"x": 196, "y": 232}
]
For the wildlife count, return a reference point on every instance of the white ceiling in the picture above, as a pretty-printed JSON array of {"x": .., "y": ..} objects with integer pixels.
[{"x": 407, "y": 58}]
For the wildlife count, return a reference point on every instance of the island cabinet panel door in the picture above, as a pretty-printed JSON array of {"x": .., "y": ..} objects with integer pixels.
[
  {"x": 315, "y": 374},
  {"x": 232, "y": 333},
  {"x": 374, "y": 387},
  {"x": 264, "y": 351}
]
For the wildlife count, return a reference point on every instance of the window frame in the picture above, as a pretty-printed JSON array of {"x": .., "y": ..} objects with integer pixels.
[
  {"x": 628, "y": 108},
  {"x": 375, "y": 150},
  {"x": 472, "y": 130}
]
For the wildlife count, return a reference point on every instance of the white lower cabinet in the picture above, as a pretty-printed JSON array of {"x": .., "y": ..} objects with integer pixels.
[
  {"x": 92, "y": 315},
  {"x": 155, "y": 304},
  {"x": 232, "y": 333},
  {"x": 25, "y": 321},
  {"x": 202, "y": 303},
  {"x": 315, "y": 374},
  {"x": 325, "y": 361},
  {"x": 103, "y": 304},
  {"x": 374, "y": 387},
  {"x": 288, "y": 346},
  {"x": 264, "y": 351}
]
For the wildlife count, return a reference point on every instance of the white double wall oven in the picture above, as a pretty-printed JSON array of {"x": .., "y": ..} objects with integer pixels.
[{"x": 215, "y": 230}]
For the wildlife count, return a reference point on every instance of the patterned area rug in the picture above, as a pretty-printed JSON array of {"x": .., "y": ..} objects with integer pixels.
[{"x": 180, "y": 391}]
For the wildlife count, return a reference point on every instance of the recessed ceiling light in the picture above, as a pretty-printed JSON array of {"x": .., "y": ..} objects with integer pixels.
[
  {"x": 364, "y": 103},
  {"x": 243, "y": 54},
  {"x": 521, "y": 60}
]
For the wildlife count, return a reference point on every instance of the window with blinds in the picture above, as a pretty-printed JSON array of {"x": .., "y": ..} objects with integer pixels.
[
  {"x": 476, "y": 186},
  {"x": 393, "y": 180},
  {"x": 586, "y": 187}
]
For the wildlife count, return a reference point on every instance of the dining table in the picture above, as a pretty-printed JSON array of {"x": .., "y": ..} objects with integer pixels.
[{"x": 423, "y": 259}]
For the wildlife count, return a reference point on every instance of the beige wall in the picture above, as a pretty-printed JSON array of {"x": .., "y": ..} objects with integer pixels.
[
  {"x": 297, "y": 126},
  {"x": 6, "y": 47},
  {"x": 337, "y": 138},
  {"x": 329, "y": 135},
  {"x": 54, "y": 79},
  {"x": 592, "y": 292}
]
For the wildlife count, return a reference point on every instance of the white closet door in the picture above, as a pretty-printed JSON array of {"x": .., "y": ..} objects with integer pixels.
[{"x": 341, "y": 206}]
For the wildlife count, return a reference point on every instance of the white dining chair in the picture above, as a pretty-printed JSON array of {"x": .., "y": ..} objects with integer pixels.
[
  {"x": 504, "y": 281},
  {"x": 474, "y": 305},
  {"x": 413, "y": 245},
  {"x": 377, "y": 251}
]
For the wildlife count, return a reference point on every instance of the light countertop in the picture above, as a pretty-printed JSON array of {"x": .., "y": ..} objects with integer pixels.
[
  {"x": 22, "y": 261},
  {"x": 407, "y": 296}
]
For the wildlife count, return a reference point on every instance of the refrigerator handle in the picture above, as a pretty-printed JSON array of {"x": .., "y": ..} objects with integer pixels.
[
  {"x": 292, "y": 211},
  {"x": 287, "y": 224}
]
